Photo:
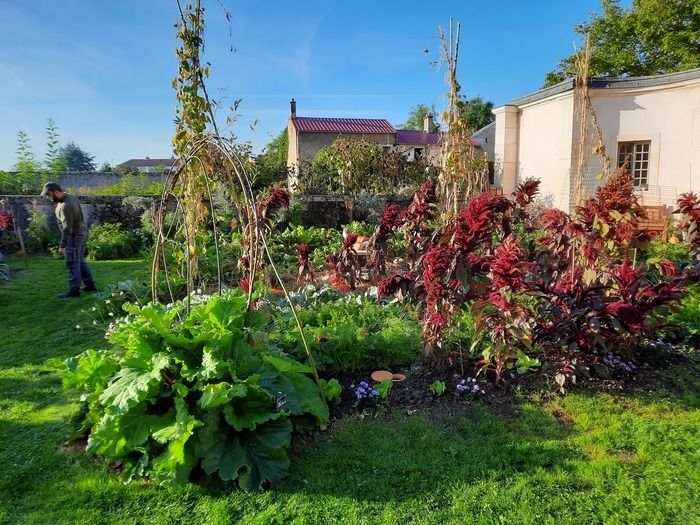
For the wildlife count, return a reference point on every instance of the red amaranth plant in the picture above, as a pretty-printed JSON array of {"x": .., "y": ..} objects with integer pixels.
[
  {"x": 345, "y": 264},
  {"x": 502, "y": 319},
  {"x": 276, "y": 199},
  {"x": 689, "y": 209},
  {"x": 416, "y": 218},
  {"x": 5, "y": 219},
  {"x": 402, "y": 286},
  {"x": 304, "y": 274},
  {"x": 378, "y": 245}
]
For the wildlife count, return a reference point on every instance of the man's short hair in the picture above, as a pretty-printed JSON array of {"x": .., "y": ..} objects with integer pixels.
[{"x": 49, "y": 186}]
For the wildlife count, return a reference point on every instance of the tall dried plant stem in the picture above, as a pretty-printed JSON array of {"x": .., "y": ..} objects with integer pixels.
[
  {"x": 464, "y": 172},
  {"x": 201, "y": 150},
  {"x": 587, "y": 118},
  {"x": 583, "y": 61}
]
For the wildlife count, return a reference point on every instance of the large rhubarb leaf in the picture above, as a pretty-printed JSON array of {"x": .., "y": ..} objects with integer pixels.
[
  {"x": 248, "y": 412},
  {"x": 218, "y": 394},
  {"x": 133, "y": 385}
]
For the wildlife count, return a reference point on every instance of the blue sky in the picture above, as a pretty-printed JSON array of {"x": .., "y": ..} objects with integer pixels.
[{"x": 103, "y": 69}]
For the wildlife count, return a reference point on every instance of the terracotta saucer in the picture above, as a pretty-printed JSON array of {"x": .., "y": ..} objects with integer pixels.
[
  {"x": 380, "y": 375},
  {"x": 396, "y": 378}
]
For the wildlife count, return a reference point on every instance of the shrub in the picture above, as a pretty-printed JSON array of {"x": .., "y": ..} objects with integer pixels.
[
  {"x": 685, "y": 320},
  {"x": 41, "y": 236},
  {"x": 203, "y": 396},
  {"x": 111, "y": 241}
]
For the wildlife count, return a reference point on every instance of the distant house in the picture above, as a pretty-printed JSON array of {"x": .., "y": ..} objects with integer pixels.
[
  {"x": 485, "y": 138},
  {"x": 307, "y": 135},
  {"x": 650, "y": 123},
  {"x": 147, "y": 165}
]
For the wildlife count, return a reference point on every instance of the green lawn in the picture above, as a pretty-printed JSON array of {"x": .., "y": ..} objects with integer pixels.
[{"x": 583, "y": 458}]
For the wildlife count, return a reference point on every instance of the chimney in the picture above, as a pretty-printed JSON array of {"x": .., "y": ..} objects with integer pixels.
[
  {"x": 428, "y": 123},
  {"x": 293, "y": 108}
]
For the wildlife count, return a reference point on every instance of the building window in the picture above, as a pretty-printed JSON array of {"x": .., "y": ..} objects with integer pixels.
[
  {"x": 417, "y": 153},
  {"x": 635, "y": 155}
]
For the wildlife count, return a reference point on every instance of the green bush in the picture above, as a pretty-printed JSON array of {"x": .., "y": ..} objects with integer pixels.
[
  {"x": 41, "y": 237},
  {"x": 351, "y": 334},
  {"x": 111, "y": 241},
  {"x": 176, "y": 400},
  {"x": 685, "y": 320}
]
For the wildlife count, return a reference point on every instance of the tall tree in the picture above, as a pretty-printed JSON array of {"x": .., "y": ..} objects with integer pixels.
[
  {"x": 476, "y": 112},
  {"x": 75, "y": 159},
  {"x": 28, "y": 177},
  {"x": 52, "y": 160},
  {"x": 417, "y": 115},
  {"x": 271, "y": 164},
  {"x": 650, "y": 37}
]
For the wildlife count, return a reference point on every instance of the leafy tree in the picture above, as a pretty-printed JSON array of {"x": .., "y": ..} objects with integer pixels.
[
  {"x": 75, "y": 159},
  {"x": 650, "y": 37},
  {"x": 476, "y": 112},
  {"x": 28, "y": 177},
  {"x": 417, "y": 115},
  {"x": 106, "y": 167},
  {"x": 271, "y": 164},
  {"x": 53, "y": 162},
  {"x": 348, "y": 163}
]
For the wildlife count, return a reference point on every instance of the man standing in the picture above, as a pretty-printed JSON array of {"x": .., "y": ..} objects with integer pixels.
[{"x": 73, "y": 238}]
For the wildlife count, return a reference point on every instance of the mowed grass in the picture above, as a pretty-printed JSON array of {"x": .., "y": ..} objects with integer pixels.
[{"x": 584, "y": 459}]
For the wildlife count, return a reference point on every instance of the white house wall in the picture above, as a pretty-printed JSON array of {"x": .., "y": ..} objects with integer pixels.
[
  {"x": 668, "y": 117},
  {"x": 544, "y": 147}
]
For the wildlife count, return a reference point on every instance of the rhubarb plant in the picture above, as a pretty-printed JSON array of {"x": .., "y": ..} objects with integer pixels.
[{"x": 185, "y": 395}]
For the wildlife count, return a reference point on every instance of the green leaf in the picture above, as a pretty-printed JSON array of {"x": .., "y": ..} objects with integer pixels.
[
  {"x": 89, "y": 371},
  {"x": 219, "y": 394},
  {"x": 116, "y": 435},
  {"x": 211, "y": 366},
  {"x": 286, "y": 364},
  {"x": 219, "y": 449},
  {"x": 300, "y": 392},
  {"x": 255, "y": 320},
  {"x": 132, "y": 385},
  {"x": 266, "y": 451},
  {"x": 331, "y": 390},
  {"x": 176, "y": 462},
  {"x": 248, "y": 412}
]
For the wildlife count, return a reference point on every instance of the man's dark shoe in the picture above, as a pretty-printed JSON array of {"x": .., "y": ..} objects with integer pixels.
[
  {"x": 66, "y": 295},
  {"x": 90, "y": 288}
]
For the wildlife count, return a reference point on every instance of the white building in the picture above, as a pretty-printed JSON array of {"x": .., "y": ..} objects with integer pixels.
[{"x": 653, "y": 123}]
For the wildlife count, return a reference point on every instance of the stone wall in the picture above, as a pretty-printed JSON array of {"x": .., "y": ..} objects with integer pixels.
[
  {"x": 97, "y": 210},
  {"x": 332, "y": 211},
  {"x": 100, "y": 179}
]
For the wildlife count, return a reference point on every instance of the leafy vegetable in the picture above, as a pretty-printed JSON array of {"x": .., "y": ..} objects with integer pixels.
[
  {"x": 438, "y": 388},
  {"x": 204, "y": 393}
]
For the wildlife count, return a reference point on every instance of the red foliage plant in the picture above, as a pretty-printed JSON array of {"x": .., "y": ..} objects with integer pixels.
[
  {"x": 5, "y": 219},
  {"x": 277, "y": 198},
  {"x": 416, "y": 218},
  {"x": 305, "y": 273},
  {"x": 378, "y": 243},
  {"x": 689, "y": 209},
  {"x": 344, "y": 265}
]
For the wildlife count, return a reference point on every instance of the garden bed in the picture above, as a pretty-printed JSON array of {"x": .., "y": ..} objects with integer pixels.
[{"x": 412, "y": 396}]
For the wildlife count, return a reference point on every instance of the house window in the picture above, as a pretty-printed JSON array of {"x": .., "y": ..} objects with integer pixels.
[
  {"x": 417, "y": 153},
  {"x": 635, "y": 155}
]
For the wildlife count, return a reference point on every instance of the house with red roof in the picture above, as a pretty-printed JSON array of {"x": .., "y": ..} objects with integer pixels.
[{"x": 307, "y": 135}]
